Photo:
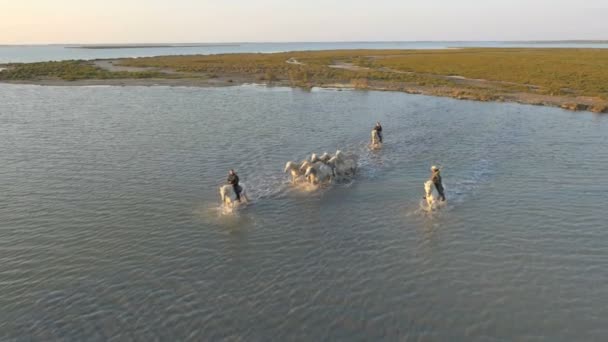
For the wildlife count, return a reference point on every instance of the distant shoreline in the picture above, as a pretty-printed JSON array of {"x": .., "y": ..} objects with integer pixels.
[
  {"x": 147, "y": 46},
  {"x": 562, "y": 41},
  {"x": 479, "y": 74}
]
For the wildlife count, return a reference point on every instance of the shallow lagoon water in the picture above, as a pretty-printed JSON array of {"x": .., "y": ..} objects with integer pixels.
[{"x": 110, "y": 227}]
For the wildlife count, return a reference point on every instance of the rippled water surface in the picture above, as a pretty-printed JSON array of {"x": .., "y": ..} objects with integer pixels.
[{"x": 110, "y": 228}]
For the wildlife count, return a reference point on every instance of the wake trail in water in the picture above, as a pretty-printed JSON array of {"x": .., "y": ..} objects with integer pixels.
[
  {"x": 277, "y": 184},
  {"x": 371, "y": 161},
  {"x": 274, "y": 183},
  {"x": 458, "y": 189},
  {"x": 217, "y": 214},
  {"x": 461, "y": 188},
  {"x": 265, "y": 186}
]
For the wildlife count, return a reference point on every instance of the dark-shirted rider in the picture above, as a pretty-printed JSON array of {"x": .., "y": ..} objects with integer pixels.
[
  {"x": 436, "y": 179},
  {"x": 233, "y": 179},
  {"x": 378, "y": 129}
]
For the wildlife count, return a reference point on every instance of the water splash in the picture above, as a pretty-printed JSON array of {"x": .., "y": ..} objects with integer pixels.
[{"x": 457, "y": 190}]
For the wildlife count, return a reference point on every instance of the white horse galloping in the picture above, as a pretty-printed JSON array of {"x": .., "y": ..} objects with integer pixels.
[
  {"x": 345, "y": 164},
  {"x": 294, "y": 169},
  {"x": 343, "y": 156},
  {"x": 375, "y": 140},
  {"x": 304, "y": 165},
  {"x": 325, "y": 157},
  {"x": 228, "y": 196},
  {"x": 428, "y": 194},
  {"x": 432, "y": 200},
  {"x": 318, "y": 173}
]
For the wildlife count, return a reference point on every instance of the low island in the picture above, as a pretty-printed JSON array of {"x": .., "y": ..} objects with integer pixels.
[
  {"x": 145, "y": 46},
  {"x": 574, "y": 79}
]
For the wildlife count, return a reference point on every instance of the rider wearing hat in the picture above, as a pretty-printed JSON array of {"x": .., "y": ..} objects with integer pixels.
[{"x": 436, "y": 179}]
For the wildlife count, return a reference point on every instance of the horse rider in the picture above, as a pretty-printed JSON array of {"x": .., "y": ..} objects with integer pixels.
[
  {"x": 233, "y": 179},
  {"x": 378, "y": 129},
  {"x": 436, "y": 179}
]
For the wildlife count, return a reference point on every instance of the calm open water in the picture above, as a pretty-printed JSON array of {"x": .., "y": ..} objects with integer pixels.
[
  {"x": 41, "y": 53},
  {"x": 110, "y": 228}
]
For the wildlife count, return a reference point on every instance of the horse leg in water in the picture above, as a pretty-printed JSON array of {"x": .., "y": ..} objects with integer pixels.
[
  {"x": 225, "y": 196},
  {"x": 294, "y": 176},
  {"x": 429, "y": 200},
  {"x": 428, "y": 194},
  {"x": 243, "y": 194}
]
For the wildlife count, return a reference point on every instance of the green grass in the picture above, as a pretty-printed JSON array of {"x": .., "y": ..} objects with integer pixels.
[
  {"x": 567, "y": 72},
  {"x": 558, "y": 71},
  {"x": 66, "y": 70},
  {"x": 554, "y": 71},
  {"x": 274, "y": 67}
]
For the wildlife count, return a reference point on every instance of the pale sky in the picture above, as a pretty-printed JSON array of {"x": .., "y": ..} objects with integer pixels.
[{"x": 184, "y": 21}]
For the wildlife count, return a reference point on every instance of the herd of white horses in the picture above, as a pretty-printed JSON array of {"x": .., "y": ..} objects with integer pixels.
[{"x": 323, "y": 170}]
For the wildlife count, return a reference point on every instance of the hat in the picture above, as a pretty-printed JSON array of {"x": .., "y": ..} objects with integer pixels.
[{"x": 434, "y": 168}]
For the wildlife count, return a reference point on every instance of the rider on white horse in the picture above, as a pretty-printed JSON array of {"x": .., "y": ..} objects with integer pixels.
[
  {"x": 233, "y": 179},
  {"x": 378, "y": 129},
  {"x": 436, "y": 179}
]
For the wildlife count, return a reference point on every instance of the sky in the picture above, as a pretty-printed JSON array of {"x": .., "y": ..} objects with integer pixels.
[{"x": 190, "y": 21}]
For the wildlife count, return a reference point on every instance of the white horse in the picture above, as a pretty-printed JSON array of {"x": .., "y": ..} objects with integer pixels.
[
  {"x": 318, "y": 173},
  {"x": 325, "y": 157},
  {"x": 432, "y": 200},
  {"x": 345, "y": 164},
  {"x": 304, "y": 165},
  {"x": 228, "y": 196},
  {"x": 375, "y": 144},
  {"x": 335, "y": 164},
  {"x": 295, "y": 171},
  {"x": 343, "y": 156}
]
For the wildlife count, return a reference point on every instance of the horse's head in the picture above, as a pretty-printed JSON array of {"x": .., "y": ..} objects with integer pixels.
[
  {"x": 290, "y": 166},
  {"x": 332, "y": 161},
  {"x": 325, "y": 157},
  {"x": 310, "y": 170},
  {"x": 304, "y": 165},
  {"x": 314, "y": 158},
  {"x": 223, "y": 193},
  {"x": 428, "y": 188}
]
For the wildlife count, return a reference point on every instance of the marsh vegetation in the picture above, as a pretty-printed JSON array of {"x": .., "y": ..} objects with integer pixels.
[{"x": 576, "y": 76}]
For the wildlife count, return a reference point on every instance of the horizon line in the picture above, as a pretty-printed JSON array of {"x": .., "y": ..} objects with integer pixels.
[{"x": 321, "y": 42}]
